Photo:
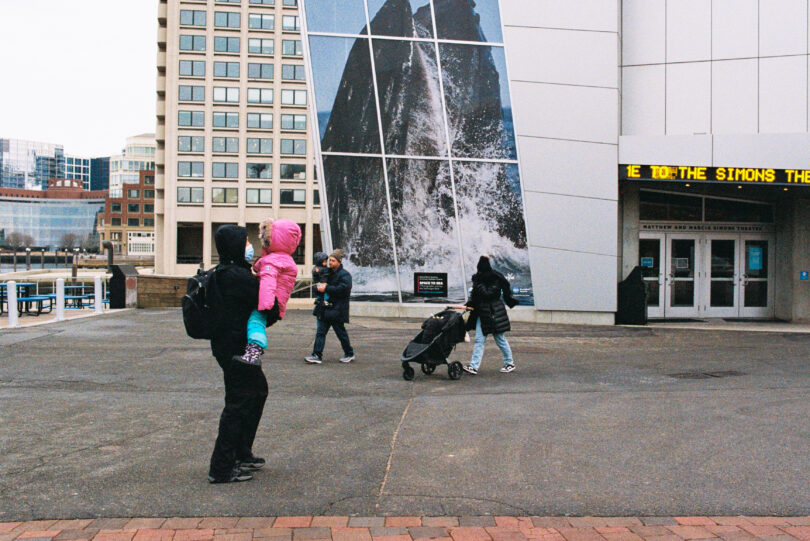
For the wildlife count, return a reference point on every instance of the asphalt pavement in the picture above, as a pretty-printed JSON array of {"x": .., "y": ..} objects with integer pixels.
[{"x": 116, "y": 416}]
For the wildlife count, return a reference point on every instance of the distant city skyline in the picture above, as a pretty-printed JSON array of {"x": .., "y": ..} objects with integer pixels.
[{"x": 78, "y": 74}]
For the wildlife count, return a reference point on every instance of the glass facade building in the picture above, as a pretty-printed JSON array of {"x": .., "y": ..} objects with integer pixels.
[
  {"x": 99, "y": 174},
  {"x": 30, "y": 164},
  {"x": 138, "y": 155},
  {"x": 48, "y": 220},
  {"x": 416, "y": 142},
  {"x": 78, "y": 169}
]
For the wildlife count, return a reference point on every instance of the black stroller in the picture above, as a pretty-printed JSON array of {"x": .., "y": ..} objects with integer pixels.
[{"x": 431, "y": 347}]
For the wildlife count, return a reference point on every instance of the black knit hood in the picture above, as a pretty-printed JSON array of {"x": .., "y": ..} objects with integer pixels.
[{"x": 231, "y": 241}]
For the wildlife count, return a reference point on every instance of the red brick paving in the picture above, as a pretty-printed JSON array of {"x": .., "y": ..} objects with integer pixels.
[{"x": 471, "y": 528}]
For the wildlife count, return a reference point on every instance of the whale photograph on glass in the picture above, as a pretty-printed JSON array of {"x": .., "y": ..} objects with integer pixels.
[{"x": 419, "y": 165}]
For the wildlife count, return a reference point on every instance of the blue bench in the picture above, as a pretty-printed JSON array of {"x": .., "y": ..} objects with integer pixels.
[{"x": 24, "y": 304}]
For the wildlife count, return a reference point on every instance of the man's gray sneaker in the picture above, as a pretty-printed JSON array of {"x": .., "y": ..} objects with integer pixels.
[
  {"x": 508, "y": 368},
  {"x": 469, "y": 369},
  {"x": 237, "y": 475},
  {"x": 347, "y": 359},
  {"x": 313, "y": 359}
]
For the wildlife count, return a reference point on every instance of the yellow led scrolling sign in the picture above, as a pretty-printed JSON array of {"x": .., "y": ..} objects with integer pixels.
[{"x": 735, "y": 175}]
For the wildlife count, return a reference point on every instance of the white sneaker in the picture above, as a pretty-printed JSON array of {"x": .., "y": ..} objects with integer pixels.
[
  {"x": 313, "y": 359},
  {"x": 508, "y": 368},
  {"x": 347, "y": 359}
]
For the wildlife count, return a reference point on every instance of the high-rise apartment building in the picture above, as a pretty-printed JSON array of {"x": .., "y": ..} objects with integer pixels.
[
  {"x": 138, "y": 155},
  {"x": 232, "y": 127},
  {"x": 30, "y": 164}
]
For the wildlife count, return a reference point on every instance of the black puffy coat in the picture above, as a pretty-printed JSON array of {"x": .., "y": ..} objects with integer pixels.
[
  {"x": 238, "y": 288},
  {"x": 485, "y": 300},
  {"x": 339, "y": 288}
]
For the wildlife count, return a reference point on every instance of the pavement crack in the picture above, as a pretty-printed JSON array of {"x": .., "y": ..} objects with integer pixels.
[{"x": 391, "y": 453}]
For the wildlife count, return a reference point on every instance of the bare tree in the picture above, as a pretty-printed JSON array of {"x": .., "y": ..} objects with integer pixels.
[
  {"x": 69, "y": 240},
  {"x": 17, "y": 240}
]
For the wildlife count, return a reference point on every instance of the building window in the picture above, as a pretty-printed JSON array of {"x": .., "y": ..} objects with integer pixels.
[
  {"x": 293, "y": 97},
  {"x": 259, "y": 196},
  {"x": 224, "y": 170},
  {"x": 292, "y": 47},
  {"x": 293, "y": 197},
  {"x": 192, "y": 43},
  {"x": 316, "y": 198},
  {"x": 260, "y": 170},
  {"x": 293, "y": 122},
  {"x": 190, "y": 17},
  {"x": 149, "y": 208},
  {"x": 190, "y": 169},
  {"x": 226, "y": 69},
  {"x": 291, "y": 72},
  {"x": 227, "y": 19},
  {"x": 229, "y": 1},
  {"x": 191, "y": 143},
  {"x": 133, "y": 208},
  {"x": 293, "y": 171},
  {"x": 226, "y": 45},
  {"x": 226, "y": 94},
  {"x": 115, "y": 207},
  {"x": 133, "y": 222},
  {"x": 133, "y": 194},
  {"x": 260, "y": 95},
  {"x": 192, "y": 68},
  {"x": 224, "y": 195},
  {"x": 260, "y": 71},
  {"x": 256, "y": 145},
  {"x": 189, "y": 195},
  {"x": 225, "y": 144},
  {"x": 191, "y": 93},
  {"x": 191, "y": 118},
  {"x": 149, "y": 194},
  {"x": 264, "y": 2},
  {"x": 149, "y": 222},
  {"x": 115, "y": 221},
  {"x": 294, "y": 146},
  {"x": 259, "y": 21},
  {"x": 290, "y": 3},
  {"x": 149, "y": 180},
  {"x": 290, "y": 23},
  {"x": 261, "y": 46},
  {"x": 226, "y": 120},
  {"x": 260, "y": 121}
]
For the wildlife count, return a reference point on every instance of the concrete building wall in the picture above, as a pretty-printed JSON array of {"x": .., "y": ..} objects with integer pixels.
[{"x": 562, "y": 59}]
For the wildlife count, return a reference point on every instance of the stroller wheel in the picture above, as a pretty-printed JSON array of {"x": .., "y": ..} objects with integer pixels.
[
  {"x": 454, "y": 370},
  {"x": 428, "y": 368},
  {"x": 407, "y": 372}
]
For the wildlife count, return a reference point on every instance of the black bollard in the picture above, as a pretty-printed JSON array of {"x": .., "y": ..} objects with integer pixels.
[
  {"x": 108, "y": 246},
  {"x": 42, "y": 261},
  {"x": 28, "y": 259},
  {"x": 15, "y": 260}
]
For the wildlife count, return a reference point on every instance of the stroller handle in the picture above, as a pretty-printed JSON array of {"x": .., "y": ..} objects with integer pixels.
[{"x": 461, "y": 307}]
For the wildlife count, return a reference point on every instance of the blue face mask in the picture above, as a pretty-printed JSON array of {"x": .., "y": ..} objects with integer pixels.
[{"x": 249, "y": 253}]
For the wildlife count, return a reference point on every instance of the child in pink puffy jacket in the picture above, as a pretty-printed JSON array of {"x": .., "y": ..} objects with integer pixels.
[{"x": 277, "y": 272}]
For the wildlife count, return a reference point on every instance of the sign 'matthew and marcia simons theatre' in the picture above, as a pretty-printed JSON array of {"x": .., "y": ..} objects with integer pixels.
[{"x": 417, "y": 157}]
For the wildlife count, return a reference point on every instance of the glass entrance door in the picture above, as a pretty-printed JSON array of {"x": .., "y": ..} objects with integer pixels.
[
  {"x": 651, "y": 259},
  {"x": 756, "y": 284},
  {"x": 681, "y": 291},
  {"x": 722, "y": 272}
]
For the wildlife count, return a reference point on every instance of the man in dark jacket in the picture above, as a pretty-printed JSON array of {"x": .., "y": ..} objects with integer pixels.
[
  {"x": 335, "y": 312},
  {"x": 489, "y": 314},
  {"x": 245, "y": 384}
]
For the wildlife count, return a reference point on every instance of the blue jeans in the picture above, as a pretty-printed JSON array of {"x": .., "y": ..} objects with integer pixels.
[
  {"x": 256, "y": 333},
  {"x": 478, "y": 349},
  {"x": 340, "y": 331}
]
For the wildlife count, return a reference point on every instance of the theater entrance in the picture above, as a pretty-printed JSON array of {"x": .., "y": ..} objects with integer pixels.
[{"x": 726, "y": 272}]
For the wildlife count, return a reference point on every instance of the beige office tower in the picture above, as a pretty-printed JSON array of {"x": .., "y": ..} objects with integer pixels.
[{"x": 233, "y": 143}]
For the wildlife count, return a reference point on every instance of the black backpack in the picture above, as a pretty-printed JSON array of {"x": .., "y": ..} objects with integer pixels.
[{"x": 201, "y": 305}]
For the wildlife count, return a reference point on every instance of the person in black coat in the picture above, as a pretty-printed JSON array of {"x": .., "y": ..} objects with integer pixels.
[
  {"x": 245, "y": 384},
  {"x": 335, "y": 310},
  {"x": 489, "y": 314}
]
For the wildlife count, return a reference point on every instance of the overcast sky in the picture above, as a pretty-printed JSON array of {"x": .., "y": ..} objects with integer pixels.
[{"x": 78, "y": 73}]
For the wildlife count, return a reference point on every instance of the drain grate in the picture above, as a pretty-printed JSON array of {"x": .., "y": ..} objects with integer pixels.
[{"x": 707, "y": 375}]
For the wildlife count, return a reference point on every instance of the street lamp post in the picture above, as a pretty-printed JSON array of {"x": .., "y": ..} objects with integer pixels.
[
  {"x": 28, "y": 259},
  {"x": 74, "y": 272}
]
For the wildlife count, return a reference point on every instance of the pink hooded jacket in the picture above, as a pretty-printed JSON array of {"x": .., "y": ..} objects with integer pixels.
[{"x": 276, "y": 269}]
